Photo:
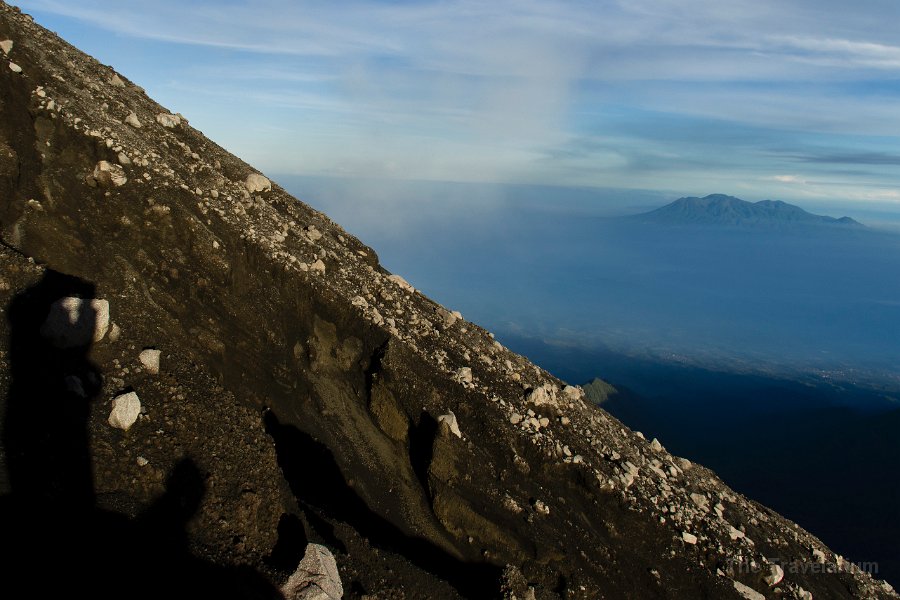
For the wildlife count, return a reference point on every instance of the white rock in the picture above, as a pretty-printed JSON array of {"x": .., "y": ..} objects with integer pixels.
[
  {"x": 689, "y": 538},
  {"x": 14, "y": 67},
  {"x": 75, "y": 322},
  {"x": 464, "y": 375},
  {"x": 257, "y": 183},
  {"x": 125, "y": 411},
  {"x": 774, "y": 576},
  {"x": 116, "y": 81},
  {"x": 573, "y": 392},
  {"x": 655, "y": 445},
  {"x": 735, "y": 534},
  {"x": 168, "y": 120},
  {"x": 6, "y": 46},
  {"x": 312, "y": 233},
  {"x": 545, "y": 394},
  {"x": 803, "y": 594},
  {"x": 318, "y": 266},
  {"x": 132, "y": 119},
  {"x": 542, "y": 508},
  {"x": 316, "y": 578},
  {"x": 360, "y": 302},
  {"x": 142, "y": 462},
  {"x": 150, "y": 359},
  {"x": 747, "y": 592},
  {"x": 450, "y": 420},
  {"x": 402, "y": 283},
  {"x": 701, "y": 501},
  {"x": 107, "y": 174},
  {"x": 516, "y": 418},
  {"x": 114, "y": 332}
]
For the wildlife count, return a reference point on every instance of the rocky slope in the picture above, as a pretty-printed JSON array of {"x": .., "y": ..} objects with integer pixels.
[{"x": 303, "y": 395}]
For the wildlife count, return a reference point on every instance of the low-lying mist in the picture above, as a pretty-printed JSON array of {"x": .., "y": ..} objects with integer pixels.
[{"x": 556, "y": 264}]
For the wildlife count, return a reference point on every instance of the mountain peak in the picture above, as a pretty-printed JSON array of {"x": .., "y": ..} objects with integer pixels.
[{"x": 724, "y": 210}]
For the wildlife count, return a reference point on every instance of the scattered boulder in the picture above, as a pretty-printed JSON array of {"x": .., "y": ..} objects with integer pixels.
[
  {"x": 545, "y": 394},
  {"x": 318, "y": 266},
  {"x": 256, "y": 183},
  {"x": 116, "y": 81},
  {"x": 747, "y": 592},
  {"x": 132, "y": 119},
  {"x": 452, "y": 424},
  {"x": 15, "y": 68},
  {"x": 114, "y": 332},
  {"x": 168, "y": 120},
  {"x": 656, "y": 446},
  {"x": 689, "y": 538},
  {"x": 125, "y": 411},
  {"x": 402, "y": 283},
  {"x": 107, "y": 174},
  {"x": 316, "y": 578},
  {"x": 572, "y": 392},
  {"x": 76, "y": 322},
  {"x": 774, "y": 575},
  {"x": 464, "y": 375},
  {"x": 701, "y": 501},
  {"x": 6, "y": 46},
  {"x": 150, "y": 359}
]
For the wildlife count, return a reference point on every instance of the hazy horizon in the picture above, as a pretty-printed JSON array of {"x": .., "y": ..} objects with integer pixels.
[{"x": 555, "y": 264}]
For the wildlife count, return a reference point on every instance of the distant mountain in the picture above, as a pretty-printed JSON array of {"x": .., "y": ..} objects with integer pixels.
[{"x": 719, "y": 209}]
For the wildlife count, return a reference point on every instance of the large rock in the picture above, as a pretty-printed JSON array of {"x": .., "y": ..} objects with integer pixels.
[
  {"x": 316, "y": 578},
  {"x": 256, "y": 183},
  {"x": 107, "y": 174},
  {"x": 76, "y": 322},
  {"x": 150, "y": 360},
  {"x": 125, "y": 411},
  {"x": 168, "y": 120}
]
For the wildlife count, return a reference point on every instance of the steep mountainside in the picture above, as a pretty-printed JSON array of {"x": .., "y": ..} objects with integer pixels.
[
  {"x": 302, "y": 395},
  {"x": 719, "y": 209}
]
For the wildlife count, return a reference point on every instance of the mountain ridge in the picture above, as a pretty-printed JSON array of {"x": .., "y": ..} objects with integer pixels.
[
  {"x": 305, "y": 394},
  {"x": 724, "y": 210}
]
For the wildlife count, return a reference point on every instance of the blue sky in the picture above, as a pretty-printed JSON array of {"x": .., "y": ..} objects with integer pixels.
[{"x": 788, "y": 99}]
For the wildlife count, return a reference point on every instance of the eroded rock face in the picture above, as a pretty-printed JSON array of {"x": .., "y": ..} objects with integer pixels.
[
  {"x": 316, "y": 578},
  {"x": 270, "y": 305}
]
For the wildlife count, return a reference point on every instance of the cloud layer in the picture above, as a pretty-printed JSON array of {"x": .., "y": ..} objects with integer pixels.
[{"x": 763, "y": 99}]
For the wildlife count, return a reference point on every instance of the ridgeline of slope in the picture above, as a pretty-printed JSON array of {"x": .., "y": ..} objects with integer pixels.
[
  {"x": 341, "y": 369},
  {"x": 722, "y": 210}
]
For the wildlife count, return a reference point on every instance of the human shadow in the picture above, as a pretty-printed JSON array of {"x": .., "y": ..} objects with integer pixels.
[
  {"x": 318, "y": 483},
  {"x": 54, "y": 539}
]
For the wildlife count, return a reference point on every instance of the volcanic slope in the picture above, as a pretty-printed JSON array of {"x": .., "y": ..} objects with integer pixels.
[{"x": 304, "y": 394}]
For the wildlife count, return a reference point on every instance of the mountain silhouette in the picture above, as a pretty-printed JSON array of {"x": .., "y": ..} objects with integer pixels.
[{"x": 723, "y": 210}]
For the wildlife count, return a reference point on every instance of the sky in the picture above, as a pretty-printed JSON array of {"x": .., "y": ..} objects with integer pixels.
[{"x": 788, "y": 99}]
